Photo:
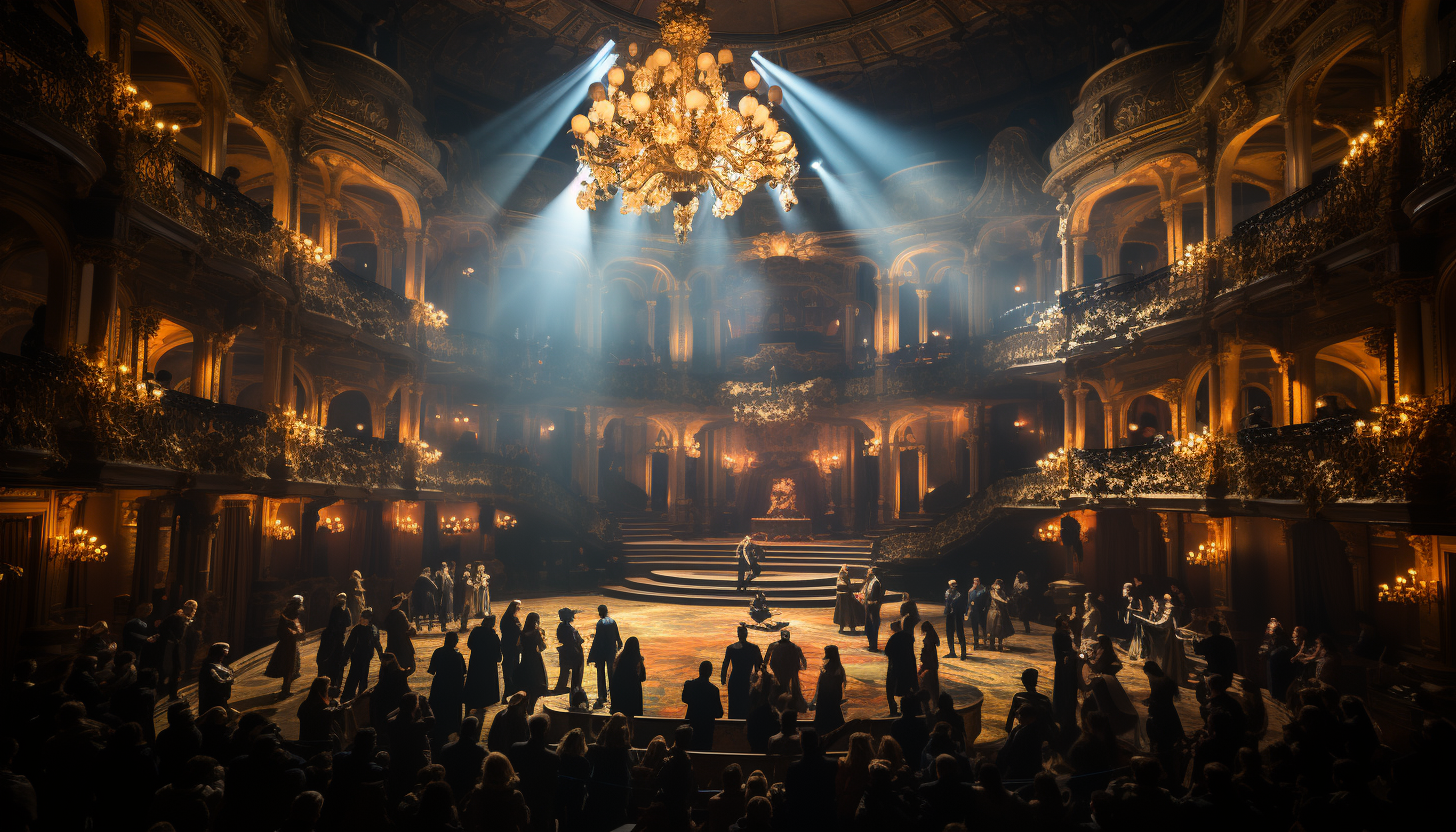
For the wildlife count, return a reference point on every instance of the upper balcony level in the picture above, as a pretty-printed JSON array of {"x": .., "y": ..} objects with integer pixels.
[{"x": 1127, "y": 101}]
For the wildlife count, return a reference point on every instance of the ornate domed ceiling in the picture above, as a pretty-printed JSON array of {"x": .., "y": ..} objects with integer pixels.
[{"x": 765, "y": 17}]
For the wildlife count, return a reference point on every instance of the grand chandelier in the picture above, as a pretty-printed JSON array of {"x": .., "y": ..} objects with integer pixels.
[{"x": 674, "y": 135}]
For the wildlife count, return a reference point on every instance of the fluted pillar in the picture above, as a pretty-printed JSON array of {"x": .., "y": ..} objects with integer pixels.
[
  {"x": 414, "y": 268},
  {"x": 651, "y": 338},
  {"x": 1230, "y": 383},
  {"x": 1070, "y": 416},
  {"x": 923, "y": 297},
  {"x": 1079, "y": 437},
  {"x": 1079, "y": 243}
]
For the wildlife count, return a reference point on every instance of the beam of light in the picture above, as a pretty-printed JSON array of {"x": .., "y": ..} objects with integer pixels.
[
  {"x": 556, "y": 242},
  {"x": 509, "y": 143},
  {"x": 840, "y": 129},
  {"x": 859, "y": 204}
]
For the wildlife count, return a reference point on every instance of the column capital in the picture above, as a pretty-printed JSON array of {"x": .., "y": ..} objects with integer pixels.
[{"x": 923, "y": 294}]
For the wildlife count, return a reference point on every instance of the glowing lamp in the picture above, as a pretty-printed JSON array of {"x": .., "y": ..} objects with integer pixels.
[
  {"x": 616, "y": 76},
  {"x": 746, "y": 105},
  {"x": 695, "y": 100},
  {"x": 725, "y": 57},
  {"x": 705, "y": 61},
  {"x": 597, "y": 91},
  {"x": 661, "y": 57},
  {"x": 775, "y": 94},
  {"x": 580, "y": 124},
  {"x": 641, "y": 101},
  {"x": 751, "y": 79}
]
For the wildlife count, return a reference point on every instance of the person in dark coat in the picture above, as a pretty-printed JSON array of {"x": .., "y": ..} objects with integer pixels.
[
  {"x": 539, "y": 768},
  {"x": 173, "y": 635},
  {"x": 570, "y": 659},
  {"x": 1028, "y": 697},
  {"x": 447, "y": 689},
  {"x": 978, "y": 603},
  {"x": 786, "y": 659},
  {"x": 531, "y": 674},
  {"x": 1064, "y": 677},
  {"x": 137, "y": 702},
  {"x": 909, "y": 729},
  {"x": 140, "y": 637},
  {"x": 1219, "y": 651},
  {"x": 739, "y": 662},
  {"x": 331, "y": 656},
  {"x": 316, "y": 713},
  {"x": 605, "y": 644},
  {"x": 627, "y": 678},
  {"x": 901, "y": 677},
  {"x": 810, "y": 786},
  {"x": 955, "y": 619},
  {"x": 409, "y": 742},
  {"x": 422, "y": 600},
  {"x": 392, "y": 684},
  {"x": 362, "y": 644},
  {"x": 482, "y": 683},
  {"x": 508, "y": 726},
  {"x": 284, "y": 663},
  {"x": 874, "y": 596},
  {"x": 397, "y": 630},
  {"x": 705, "y": 706},
  {"x": 610, "y": 790},
  {"x": 464, "y": 757},
  {"x": 510, "y": 636},
  {"x": 215, "y": 680}
]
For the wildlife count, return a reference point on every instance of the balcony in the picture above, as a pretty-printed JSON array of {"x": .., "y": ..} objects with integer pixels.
[{"x": 1130, "y": 102}]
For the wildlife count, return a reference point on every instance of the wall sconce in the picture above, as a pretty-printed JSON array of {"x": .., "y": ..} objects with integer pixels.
[
  {"x": 279, "y": 531},
  {"x": 1410, "y": 591},
  {"x": 406, "y": 525},
  {"x": 695, "y": 450},
  {"x": 505, "y": 521},
  {"x": 462, "y": 525},
  {"x": 872, "y": 447},
  {"x": 79, "y": 545},
  {"x": 1051, "y": 532},
  {"x": 1053, "y": 459},
  {"x": 332, "y": 525},
  {"x": 1019, "y": 423}
]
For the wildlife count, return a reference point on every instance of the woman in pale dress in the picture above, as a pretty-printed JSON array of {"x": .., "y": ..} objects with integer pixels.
[
  {"x": 1164, "y": 644},
  {"x": 848, "y": 612},
  {"x": 999, "y": 625},
  {"x": 1091, "y": 620},
  {"x": 356, "y": 597}
]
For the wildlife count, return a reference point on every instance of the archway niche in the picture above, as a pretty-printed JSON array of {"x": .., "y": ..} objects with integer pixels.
[
  {"x": 350, "y": 412},
  {"x": 1147, "y": 418}
]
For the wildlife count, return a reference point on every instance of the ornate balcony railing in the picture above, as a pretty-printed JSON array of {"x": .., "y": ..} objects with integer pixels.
[
  {"x": 77, "y": 413},
  {"x": 1405, "y": 456},
  {"x": 233, "y": 223},
  {"x": 352, "y": 300},
  {"x": 44, "y": 72}
]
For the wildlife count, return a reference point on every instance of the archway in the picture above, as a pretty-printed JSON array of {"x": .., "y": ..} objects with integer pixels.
[
  {"x": 1324, "y": 587},
  {"x": 1147, "y": 418},
  {"x": 351, "y": 413}
]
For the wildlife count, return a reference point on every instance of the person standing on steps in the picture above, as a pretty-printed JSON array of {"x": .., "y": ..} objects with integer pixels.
[
  {"x": 510, "y": 635},
  {"x": 422, "y": 599},
  {"x": 978, "y": 603},
  {"x": 847, "y": 610},
  {"x": 605, "y": 644},
  {"x": 482, "y": 681},
  {"x": 173, "y": 634},
  {"x": 744, "y": 552},
  {"x": 330, "y": 656},
  {"x": 740, "y": 661},
  {"x": 569, "y": 657},
  {"x": 955, "y": 617},
  {"x": 1021, "y": 598},
  {"x": 397, "y": 631},
  {"x": 284, "y": 663},
  {"x": 363, "y": 643},
  {"x": 874, "y": 596}
]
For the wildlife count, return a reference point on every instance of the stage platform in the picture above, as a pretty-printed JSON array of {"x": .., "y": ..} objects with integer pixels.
[{"x": 704, "y": 572}]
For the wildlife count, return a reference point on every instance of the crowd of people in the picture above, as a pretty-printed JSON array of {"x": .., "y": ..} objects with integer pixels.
[{"x": 83, "y": 753}]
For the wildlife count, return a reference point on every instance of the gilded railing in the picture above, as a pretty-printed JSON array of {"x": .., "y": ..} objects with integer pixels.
[
  {"x": 1405, "y": 455},
  {"x": 44, "y": 72}
]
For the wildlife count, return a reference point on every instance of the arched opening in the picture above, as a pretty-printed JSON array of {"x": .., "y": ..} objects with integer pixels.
[
  {"x": 1256, "y": 407},
  {"x": 1344, "y": 104},
  {"x": 24, "y": 274},
  {"x": 1094, "y": 432},
  {"x": 1324, "y": 585},
  {"x": 624, "y": 323},
  {"x": 1148, "y": 417},
  {"x": 351, "y": 413},
  {"x": 162, "y": 78},
  {"x": 700, "y": 304}
]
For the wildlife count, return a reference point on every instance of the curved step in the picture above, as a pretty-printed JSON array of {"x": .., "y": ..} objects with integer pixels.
[
  {"x": 731, "y": 567},
  {"x": 765, "y": 580},
  {"x": 729, "y": 600}
]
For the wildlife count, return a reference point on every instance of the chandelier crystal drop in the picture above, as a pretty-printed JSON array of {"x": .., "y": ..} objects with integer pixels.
[{"x": 662, "y": 130}]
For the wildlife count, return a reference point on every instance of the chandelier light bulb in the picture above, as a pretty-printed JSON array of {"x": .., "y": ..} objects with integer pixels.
[
  {"x": 580, "y": 124},
  {"x": 746, "y": 105},
  {"x": 661, "y": 57},
  {"x": 770, "y": 128},
  {"x": 597, "y": 91},
  {"x": 695, "y": 100},
  {"x": 760, "y": 115},
  {"x": 725, "y": 57},
  {"x": 776, "y": 94},
  {"x": 751, "y": 79},
  {"x": 616, "y": 76},
  {"x": 641, "y": 102},
  {"x": 706, "y": 62}
]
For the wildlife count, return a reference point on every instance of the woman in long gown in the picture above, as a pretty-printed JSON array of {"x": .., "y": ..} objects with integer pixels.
[
  {"x": 627, "y": 677},
  {"x": 482, "y": 684},
  {"x": 531, "y": 674},
  {"x": 848, "y": 612},
  {"x": 284, "y": 663},
  {"x": 929, "y": 676},
  {"x": 510, "y": 636},
  {"x": 1165, "y": 646},
  {"x": 1065, "y": 674},
  {"x": 829, "y": 693},
  {"x": 999, "y": 625},
  {"x": 1106, "y": 691},
  {"x": 356, "y": 597}
]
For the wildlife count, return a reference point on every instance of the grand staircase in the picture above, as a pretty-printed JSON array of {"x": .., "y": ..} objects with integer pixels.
[{"x": 663, "y": 570}]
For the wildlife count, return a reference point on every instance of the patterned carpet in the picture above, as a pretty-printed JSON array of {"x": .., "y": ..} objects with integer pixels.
[{"x": 675, "y": 639}]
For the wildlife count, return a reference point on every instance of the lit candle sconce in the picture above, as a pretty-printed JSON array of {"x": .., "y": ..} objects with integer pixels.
[
  {"x": 1207, "y": 554},
  {"x": 332, "y": 525},
  {"x": 872, "y": 447},
  {"x": 406, "y": 525},
  {"x": 1408, "y": 590},
  {"x": 460, "y": 525},
  {"x": 695, "y": 450},
  {"x": 280, "y": 531},
  {"x": 1051, "y": 532},
  {"x": 505, "y": 521}
]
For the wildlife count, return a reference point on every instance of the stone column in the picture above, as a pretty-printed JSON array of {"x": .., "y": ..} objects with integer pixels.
[
  {"x": 1079, "y": 242},
  {"x": 1109, "y": 424},
  {"x": 1404, "y": 298},
  {"x": 1298, "y": 140},
  {"x": 1071, "y": 417},
  {"x": 202, "y": 346},
  {"x": 718, "y": 338},
  {"x": 1173, "y": 221},
  {"x": 846, "y": 329},
  {"x": 329, "y": 226},
  {"x": 225, "y": 379},
  {"x": 924, "y": 458},
  {"x": 1304, "y": 385},
  {"x": 285, "y": 377},
  {"x": 887, "y": 318},
  {"x": 651, "y": 339},
  {"x": 1079, "y": 439},
  {"x": 923, "y": 295},
  {"x": 889, "y": 465},
  {"x": 214, "y": 137},
  {"x": 414, "y": 277},
  {"x": 108, "y": 265},
  {"x": 1230, "y": 382},
  {"x": 1066, "y": 272},
  {"x": 272, "y": 357},
  {"x": 676, "y": 470}
]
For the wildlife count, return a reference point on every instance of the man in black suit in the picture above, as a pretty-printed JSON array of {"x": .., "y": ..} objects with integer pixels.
[
  {"x": 809, "y": 784},
  {"x": 1219, "y": 651},
  {"x": 739, "y": 661},
  {"x": 901, "y": 679},
  {"x": 605, "y": 645},
  {"x": 538, "y": 767},
  {"x": 704, "y": 706},
  {"x": 874, "y": 595},
  {"x": 947, "y": 800}
]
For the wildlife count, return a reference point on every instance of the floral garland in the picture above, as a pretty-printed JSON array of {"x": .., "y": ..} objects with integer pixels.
[{"x": 755, "y": 403}]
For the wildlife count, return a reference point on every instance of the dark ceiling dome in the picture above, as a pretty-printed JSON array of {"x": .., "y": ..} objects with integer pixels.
[{"x": 764, "y": 17}]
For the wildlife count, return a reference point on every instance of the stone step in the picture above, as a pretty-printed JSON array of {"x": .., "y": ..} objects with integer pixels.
[
  {"x": 767, "y": 580},
  {"x": 664, "y": 596}
]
